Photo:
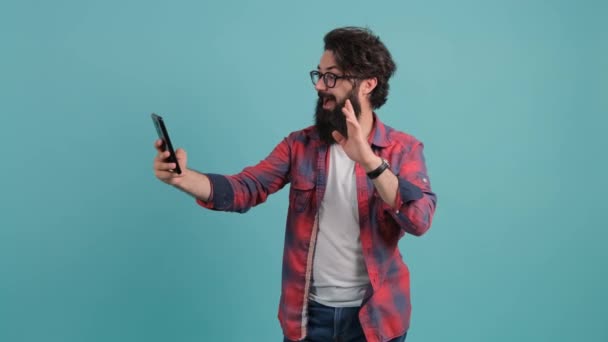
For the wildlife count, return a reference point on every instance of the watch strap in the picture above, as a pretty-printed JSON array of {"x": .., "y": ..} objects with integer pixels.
[{"x": 378, "y": 171}]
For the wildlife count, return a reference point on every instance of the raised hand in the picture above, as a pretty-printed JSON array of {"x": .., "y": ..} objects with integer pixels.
[{"x": 355, "y": 144}]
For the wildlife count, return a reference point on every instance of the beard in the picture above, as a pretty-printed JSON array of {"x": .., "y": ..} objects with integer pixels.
[{"x": 327, "y": 121}]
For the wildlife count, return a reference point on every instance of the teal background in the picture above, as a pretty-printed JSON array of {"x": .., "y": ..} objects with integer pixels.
[{"x": 509, "y": 97}]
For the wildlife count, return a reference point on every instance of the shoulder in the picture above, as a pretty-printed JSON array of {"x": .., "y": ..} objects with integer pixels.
[
  {"x": 303, "y": 136},
  {"x": 401, "y": 139}
]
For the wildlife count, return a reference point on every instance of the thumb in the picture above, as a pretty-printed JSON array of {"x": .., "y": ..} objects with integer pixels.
[
  {"x": 181, "y": 156},
  {"x": 339, "y": 138}
]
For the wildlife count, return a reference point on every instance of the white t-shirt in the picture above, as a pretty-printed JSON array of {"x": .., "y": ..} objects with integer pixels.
[{"x": 339, "y": 274}]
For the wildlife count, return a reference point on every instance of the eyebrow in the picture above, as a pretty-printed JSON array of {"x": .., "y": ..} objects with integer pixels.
[{"x": 331, "y": 67}]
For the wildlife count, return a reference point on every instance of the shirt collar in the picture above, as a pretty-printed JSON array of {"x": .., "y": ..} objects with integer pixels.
[{"x": 380, "y": 134}]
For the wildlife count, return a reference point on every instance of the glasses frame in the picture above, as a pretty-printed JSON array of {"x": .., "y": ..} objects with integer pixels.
[{"x": 321, "y": 75}]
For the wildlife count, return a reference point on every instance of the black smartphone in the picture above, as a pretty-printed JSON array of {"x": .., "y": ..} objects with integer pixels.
[{"x": 161, "y": 129}]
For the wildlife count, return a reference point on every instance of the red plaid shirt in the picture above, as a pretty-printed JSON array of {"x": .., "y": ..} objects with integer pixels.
[{"x": 302, "y": 160}]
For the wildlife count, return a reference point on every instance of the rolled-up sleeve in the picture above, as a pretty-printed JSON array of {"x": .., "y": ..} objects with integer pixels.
[
  {"x": 252, "y": 185},
  {"x": 415, "y": 201}
]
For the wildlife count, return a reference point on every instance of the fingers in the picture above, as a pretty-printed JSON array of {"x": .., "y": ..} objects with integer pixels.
[
  {"x": 352, "y": 124},
  {"x": 162, "y": 155},
  {"x": 158, "y": 144},
  {"x": 164, "y": 168},
  {"x": 339, "y": 138},
  {"x": 180, "y": 154},
  {"x": 349, "y": 112},
  {"x": 164, "y": 171},
  {"x": 161, "y": 165},
  {"x": 349, "y": 105},
  {"x": 348, "y": 109},
  {"x": 168, "y": 177}
]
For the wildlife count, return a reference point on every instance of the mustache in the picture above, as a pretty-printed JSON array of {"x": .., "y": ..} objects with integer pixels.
[{"x": 323, "y": 95}]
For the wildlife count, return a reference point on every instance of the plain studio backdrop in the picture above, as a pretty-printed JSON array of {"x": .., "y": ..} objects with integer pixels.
[{"x": 509, "y": 97}]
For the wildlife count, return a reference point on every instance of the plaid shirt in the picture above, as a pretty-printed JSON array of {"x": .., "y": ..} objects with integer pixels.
[{"x": 302, "y": 160}]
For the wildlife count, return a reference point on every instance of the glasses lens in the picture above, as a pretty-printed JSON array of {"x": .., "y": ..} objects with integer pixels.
[
  {"x": 314, "y": 77},
  {"x": 329, "y": 79}
]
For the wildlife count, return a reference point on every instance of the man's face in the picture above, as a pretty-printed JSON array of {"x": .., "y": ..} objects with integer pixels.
[{"x": 328, "y": 113}]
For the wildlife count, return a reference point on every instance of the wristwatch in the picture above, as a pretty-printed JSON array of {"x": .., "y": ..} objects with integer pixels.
[{"x": 378, "y": 171}]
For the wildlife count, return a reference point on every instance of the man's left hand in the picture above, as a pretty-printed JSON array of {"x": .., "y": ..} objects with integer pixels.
[{"x": 355, "y": 145}]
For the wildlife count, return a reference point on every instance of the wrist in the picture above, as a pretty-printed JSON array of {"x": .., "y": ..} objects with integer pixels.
[
  {"x": 384, "y": 165},
  {"x": 371, "y": 163},
  {"x": 182, "y": 181},
  {"x": 194, "y": 183}
]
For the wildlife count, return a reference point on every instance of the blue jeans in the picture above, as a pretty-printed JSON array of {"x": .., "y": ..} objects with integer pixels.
[{"x": 328, "y": 324}]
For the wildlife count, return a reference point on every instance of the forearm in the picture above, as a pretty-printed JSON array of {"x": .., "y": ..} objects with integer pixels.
[
  {"x": 386, "y": 184},
  {"x": 408, "y": 196},
  {"x": 244, "y": 190},
  {"x": 411, "y": 208},
  {"x": 195, "y": 184}
]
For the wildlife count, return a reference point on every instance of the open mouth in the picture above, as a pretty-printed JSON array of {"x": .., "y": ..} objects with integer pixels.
[{"x": 329, "y": 102}]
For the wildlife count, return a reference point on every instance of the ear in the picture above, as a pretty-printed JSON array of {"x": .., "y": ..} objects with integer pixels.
[{"x": 368, "y": 85}]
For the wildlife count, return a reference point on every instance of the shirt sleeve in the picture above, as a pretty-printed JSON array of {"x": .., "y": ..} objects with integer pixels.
[
  {"x": 252, "y": 185},
  {"x": 415, "y": 202}
]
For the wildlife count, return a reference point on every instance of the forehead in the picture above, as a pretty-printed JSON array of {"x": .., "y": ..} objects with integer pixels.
[{"x": 328, "y": 62}]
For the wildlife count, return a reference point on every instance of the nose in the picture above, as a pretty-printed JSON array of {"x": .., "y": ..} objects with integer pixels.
[{"x": 320, "y": 85}]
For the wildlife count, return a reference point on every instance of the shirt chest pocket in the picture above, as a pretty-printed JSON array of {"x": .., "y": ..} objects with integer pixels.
[{"x": 301, "y": 195}]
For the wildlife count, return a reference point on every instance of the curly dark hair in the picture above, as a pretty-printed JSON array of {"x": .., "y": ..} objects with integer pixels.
[{"x": 361, "y": 53}]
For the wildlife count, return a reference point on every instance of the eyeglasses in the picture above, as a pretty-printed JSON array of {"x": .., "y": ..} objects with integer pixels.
[{"x": 329, "y": 78}]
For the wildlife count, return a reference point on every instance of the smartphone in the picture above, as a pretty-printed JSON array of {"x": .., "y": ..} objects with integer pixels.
[{"x": 161, "y": 129}]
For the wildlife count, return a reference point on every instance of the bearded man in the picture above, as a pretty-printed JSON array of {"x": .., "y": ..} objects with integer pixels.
[{"x": 357, "y": 187}]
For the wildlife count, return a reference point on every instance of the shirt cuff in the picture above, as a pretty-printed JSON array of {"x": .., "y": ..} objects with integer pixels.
[
  {"x": 407, "y": 192},
  {"x": 221, "y": 196}
]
